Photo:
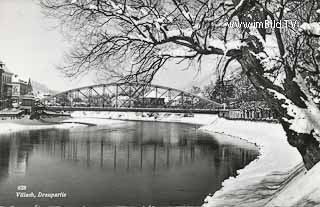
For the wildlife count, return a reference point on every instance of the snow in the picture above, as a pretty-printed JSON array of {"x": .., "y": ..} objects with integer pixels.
[
  {"x": 236, "y": 44},
  {"x": 216, "y": 43},
  {"x": 6, "y": 128},
  {"x": 311, "y": 28},
  {"x": 100, "y": 117},
  {"x": 239, "y": 5},
  {"x": 19, "y": 79},
  {"x": 72, "y": 123},
  {"x": 95, "y": 121},
  {"x": 304, "y": 190},
  {"x": 304, "y": 120},
  {"x": 277, "y": 158},
  {"x": 228, "y": 3},
  {"x": 93, "y": 7},
  {"x": 175, "y": 32},
  {"x": 177, "y": 52}
]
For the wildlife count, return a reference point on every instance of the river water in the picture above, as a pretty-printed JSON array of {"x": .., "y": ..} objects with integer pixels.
[{"x": 128, "y": 163}]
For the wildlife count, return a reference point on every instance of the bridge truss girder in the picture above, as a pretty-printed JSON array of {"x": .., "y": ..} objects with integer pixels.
[{"x": 119, "y": 95}]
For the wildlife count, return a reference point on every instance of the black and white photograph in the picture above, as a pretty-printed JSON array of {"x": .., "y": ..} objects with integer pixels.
[{"x": 211, "y": 103}]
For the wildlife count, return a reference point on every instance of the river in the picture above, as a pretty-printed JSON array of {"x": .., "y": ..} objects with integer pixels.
[{"x": 128, "y": 163}]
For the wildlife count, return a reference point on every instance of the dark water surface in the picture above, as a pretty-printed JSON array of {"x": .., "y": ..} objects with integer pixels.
[{"x": 132, "y": 163}]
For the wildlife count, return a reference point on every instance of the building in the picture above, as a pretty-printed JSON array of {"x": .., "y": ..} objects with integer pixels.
[
  {"x": 27, "y": 103},
  {"x": 22, "y": 94},
  {"x": 149, "y": 102},
  {"x": 20, "y": 88},
  {"x": 5, "y": 86}
]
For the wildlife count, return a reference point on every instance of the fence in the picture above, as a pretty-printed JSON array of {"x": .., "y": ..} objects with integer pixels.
[{"x": 252, "y": 114}]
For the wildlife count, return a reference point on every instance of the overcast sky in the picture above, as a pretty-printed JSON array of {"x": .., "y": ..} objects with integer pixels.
[{"x": 31, "y": 48}]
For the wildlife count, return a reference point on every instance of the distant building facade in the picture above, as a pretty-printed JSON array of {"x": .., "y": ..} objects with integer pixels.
[
  {"x": 20, "y": 88},
  {"x": 5, "y": 86},
  {"x": 13, "y": 90},
  {"x": 22, "y": 94}
]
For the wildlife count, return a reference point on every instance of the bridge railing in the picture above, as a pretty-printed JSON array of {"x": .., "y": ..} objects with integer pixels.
[{"x": 249, "y": 114}]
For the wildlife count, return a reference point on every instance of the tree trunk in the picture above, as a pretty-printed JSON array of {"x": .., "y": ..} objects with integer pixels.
[{"x": 306, "y": 143}]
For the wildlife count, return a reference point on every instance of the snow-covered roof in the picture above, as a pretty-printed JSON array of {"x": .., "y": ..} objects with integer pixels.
[
  {"x": 19, "y": 79},
  {"x": 4, "y": 67}
]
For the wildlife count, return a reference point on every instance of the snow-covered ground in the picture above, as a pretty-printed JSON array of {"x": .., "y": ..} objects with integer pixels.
[
  {"x": 201, "y": 119},
  {"x": 303, "y": 191},
  {"x": 6, "y": 128},
  {"x": 93, "y": 121},
  {"x": 259, "y": 182},
  {"x": 12, "y": 126}
]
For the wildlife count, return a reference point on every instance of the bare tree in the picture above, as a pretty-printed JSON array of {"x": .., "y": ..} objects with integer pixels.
[{"x": 281, "y": 63}]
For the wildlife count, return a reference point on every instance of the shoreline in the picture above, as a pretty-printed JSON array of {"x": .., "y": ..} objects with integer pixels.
[
  {"x": 270, "y": 172},
  {"x": 264, "y": 178},
  {"x": 258, "y": 183}
]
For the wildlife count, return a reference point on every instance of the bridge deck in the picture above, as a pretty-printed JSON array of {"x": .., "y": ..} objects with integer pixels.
[{"x": 168, "y": 110}]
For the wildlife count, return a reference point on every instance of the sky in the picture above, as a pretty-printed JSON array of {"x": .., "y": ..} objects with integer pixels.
[{"x": 31, "y": 47}]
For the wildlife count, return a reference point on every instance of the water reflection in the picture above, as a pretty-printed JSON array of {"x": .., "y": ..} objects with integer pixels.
[{"x": 136, "y": 163}]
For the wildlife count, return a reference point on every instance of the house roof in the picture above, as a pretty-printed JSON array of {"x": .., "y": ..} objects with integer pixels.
[
  {"x": 19, "y": 79},
  {"x": 4, "y": 67}
]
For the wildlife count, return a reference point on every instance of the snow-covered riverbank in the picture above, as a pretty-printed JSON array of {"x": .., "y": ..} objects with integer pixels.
[
  {"x": 200, "y": 119},
  {"x": 263, "y": 179},
  {"x": 16, "y": 125},
  {"x": 6, "y": 128}
]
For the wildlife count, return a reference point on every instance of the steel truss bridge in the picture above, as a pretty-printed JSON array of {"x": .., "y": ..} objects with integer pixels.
[{"x": 139, "y": 97}]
